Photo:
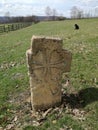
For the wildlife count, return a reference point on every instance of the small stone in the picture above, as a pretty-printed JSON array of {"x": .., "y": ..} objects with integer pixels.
[
  {"x": 35, "y": 123},
  {"x": 54, "y": 121}
]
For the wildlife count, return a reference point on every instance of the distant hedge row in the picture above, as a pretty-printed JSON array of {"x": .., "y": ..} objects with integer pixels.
[{"x": 13, "y": 27}]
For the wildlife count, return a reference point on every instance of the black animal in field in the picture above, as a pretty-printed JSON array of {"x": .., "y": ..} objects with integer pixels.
[{"x": 76, "y": 26}]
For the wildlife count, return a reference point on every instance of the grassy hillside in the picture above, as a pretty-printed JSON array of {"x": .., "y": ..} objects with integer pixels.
[{"x": 81, "y": 101}]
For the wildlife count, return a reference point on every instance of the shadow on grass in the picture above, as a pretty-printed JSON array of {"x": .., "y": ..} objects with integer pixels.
[{"x": 80, "y": 99}]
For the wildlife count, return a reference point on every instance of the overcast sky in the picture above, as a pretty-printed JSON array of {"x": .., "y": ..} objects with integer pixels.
[{"x": 37, "y": 7}]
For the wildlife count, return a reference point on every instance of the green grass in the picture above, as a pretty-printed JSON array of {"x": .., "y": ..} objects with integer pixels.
[{"x": 82, "y": 43}]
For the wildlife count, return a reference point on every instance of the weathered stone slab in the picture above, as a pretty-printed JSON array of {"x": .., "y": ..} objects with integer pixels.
[{"x": 46, "y": 62}]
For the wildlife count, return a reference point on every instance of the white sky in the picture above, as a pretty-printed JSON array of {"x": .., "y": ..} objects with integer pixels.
[{"x": 37, "y": 7}]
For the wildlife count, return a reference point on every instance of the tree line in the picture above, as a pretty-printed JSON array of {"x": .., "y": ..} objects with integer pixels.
[
  {"x": 50, "y": 14},
  {"x": 77, "y": 12},
  {"x": 19, "y": 19}
]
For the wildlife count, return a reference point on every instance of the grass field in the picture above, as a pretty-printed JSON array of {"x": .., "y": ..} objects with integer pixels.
[{"x": 81, "y": 108}]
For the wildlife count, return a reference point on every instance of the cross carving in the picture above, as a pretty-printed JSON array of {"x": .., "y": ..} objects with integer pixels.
[{"x": 46, "y": 65}]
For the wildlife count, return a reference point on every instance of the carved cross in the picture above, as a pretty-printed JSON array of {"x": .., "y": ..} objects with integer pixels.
[{"x": 46, "y": 61}]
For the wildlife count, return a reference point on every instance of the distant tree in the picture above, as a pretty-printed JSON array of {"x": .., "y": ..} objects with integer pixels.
[
  {"x": 76, "y": 12},
  {"x": 80, "y": 14},
  {"x": 88, "y": 14},
  {"x": 54, "y": 14},
  {"x": 60, "y": 18},
  {"x": 51, "y": 13},
  {"x": 73, "y": 12},
  {"x": 96, "y": 12},
  {"x": 48, "y": 11},
  {"x": 30, "y": 19},
  {"x": 7, "y": 14}
]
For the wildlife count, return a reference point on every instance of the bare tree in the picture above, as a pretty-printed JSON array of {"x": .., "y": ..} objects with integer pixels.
[
  {"x": 54, "y": 14},
  {"x": 51, "y": 13},
  {"x": 76, "y": 12},
  {"x": 96, "y": 12},
  {"x": 89, "y": 14},
  {"x": 80, "y": 14},
  {"x": 48, "y": 11},
  {"x": 7, "y": 14}
]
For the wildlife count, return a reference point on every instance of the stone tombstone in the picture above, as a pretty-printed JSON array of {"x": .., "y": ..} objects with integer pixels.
[{"x": 46, "y": 62}]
